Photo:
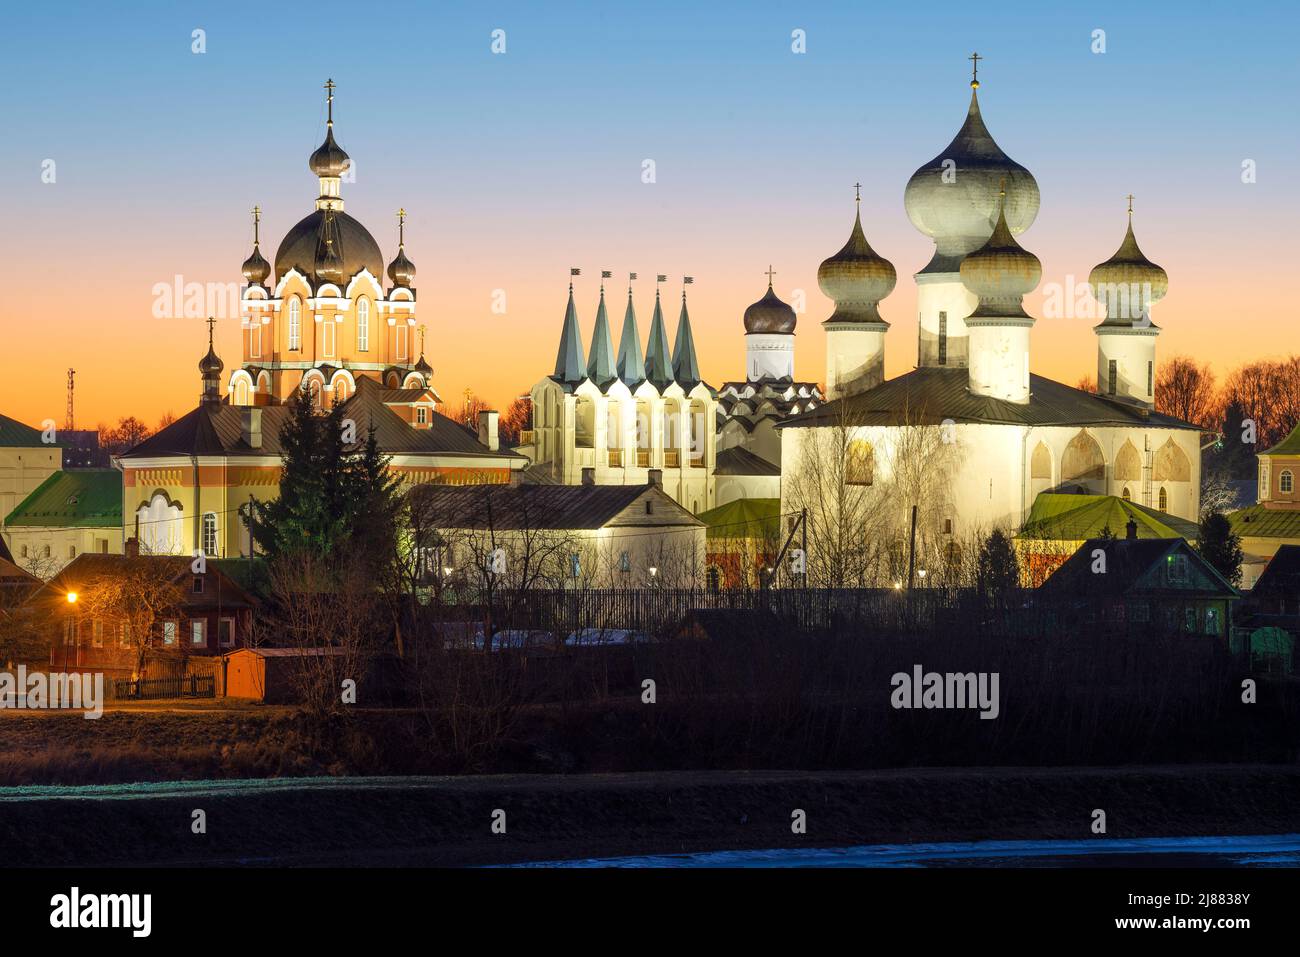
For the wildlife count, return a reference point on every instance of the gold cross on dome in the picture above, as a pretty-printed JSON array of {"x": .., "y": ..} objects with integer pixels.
[
  {"x": 857, "y": 192},
  {"x": 329, "y": 98},
  {"x": 257, "y": 218},
  {"x": 975, "y": 69},
  {"x": 1130, "y": 205},
  {"x": 401, "y": 227},
  {"x": 421, "y": 339},
  {"x": 211, "y": 323},
  {"x": 770, "y": 273}
]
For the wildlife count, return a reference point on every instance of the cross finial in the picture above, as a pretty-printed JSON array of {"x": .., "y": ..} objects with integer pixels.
[
  {"x": 329, "y": 99},
  {"x": 1130, "y": 207},
  {"x": 401, "y": 229},
  {"x": 857, "y": 193},
  {"x": 975, "y": 70},
  {"x": 421, "y": 338},
  {"x": 257, "y": 218},
  {"x": 770, "y": 273},
  {"x": 211, "y": 322}
]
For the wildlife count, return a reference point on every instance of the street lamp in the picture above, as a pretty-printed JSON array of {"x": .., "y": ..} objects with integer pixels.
[{"x": 72, "y": 598}]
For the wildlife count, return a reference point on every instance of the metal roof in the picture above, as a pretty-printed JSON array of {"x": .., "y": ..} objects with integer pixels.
[
  {"x": 739, "y": 461},
  {"x": 568, "y": 507},
  {"x": 14, "y": 434},
  {"x": 931, "y": 395},
  {"x": 73, "y": 498}
]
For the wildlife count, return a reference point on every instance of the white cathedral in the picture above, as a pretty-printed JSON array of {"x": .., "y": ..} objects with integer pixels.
[
  {"x": 637, "y": 417},
  {"x": 1014, "y": 434}
]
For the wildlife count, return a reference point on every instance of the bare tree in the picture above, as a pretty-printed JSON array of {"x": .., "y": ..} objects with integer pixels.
[
  {"x": 1186, "y": 390},
  {"x": 137, "y": 591}
]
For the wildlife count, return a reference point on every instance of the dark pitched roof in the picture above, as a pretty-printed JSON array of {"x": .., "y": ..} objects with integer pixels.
[
  {"x": 1281, "y": 578},
  {"x": 929, "y": 395},
  {"x": 14, "y": 434},
  {"x": 218, "y": 430},
  {"x": 739, "y": 461},
  {"x": 91, "y": 565},
  {"x": 1128, "y": 561},
  {"x": 5, "y": 554},
  {"x": 563, "y": 507},
  {"x": 73, "y": 498}
]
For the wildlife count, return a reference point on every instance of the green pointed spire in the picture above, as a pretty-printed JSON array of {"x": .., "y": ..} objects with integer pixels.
[
  {"x": 600, "y": 363},
  {"x": 686, "y": 368},
  {"x": 631, "y": 363},
  {"x": 658, "y": 363},
  {"x": 569, "y": 365}
]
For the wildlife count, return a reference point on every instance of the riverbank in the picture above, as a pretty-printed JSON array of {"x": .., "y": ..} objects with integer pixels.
[{"x": 448, "y": 821}]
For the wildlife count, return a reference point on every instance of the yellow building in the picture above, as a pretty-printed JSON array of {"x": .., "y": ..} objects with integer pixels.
[
  {"x": 26, "y": 461},
  {"x": 323, "y": 319}
]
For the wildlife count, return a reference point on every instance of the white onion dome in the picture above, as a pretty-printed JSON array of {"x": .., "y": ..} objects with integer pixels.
[
  {"x": 1000, "y": 273},
  {"x": 953, "y": 198},
  {"x": 1128, "y": 283},
  {"x": 857, "y": 278}
]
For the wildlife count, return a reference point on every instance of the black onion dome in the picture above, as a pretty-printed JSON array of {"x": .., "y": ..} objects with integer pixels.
[
  {"x": 329, "y": 158},
  {"x": 211, "y": 364},
  {"x": 256, "y": 269},
  {"x": 353, "y": 245},
  {"x": 770, "y": 315},
  {"x": 401, "y": 270}
]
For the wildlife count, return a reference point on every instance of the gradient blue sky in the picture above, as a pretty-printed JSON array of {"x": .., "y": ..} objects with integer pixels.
[{"x": 515, "y": 167}]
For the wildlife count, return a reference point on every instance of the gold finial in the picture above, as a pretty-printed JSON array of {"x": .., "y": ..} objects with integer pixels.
[
  {"x": 329, "y": 99},
  {"x": 1130, "y": 207},
  {"x": 257, "y": 219},
  {"x": 401, "y": 227},
  {"x": 975, "y": 70},
  {"x": 211, "y": 322},
  {"x": 421, "y": 339},
  {"x": 770, "y": 273},
  {"x": 857, "y": 193}
]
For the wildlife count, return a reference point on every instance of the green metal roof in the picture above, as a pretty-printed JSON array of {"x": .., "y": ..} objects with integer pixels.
[
  {"x": 1288, "y": 446},
  {"x": 74, "y": 498},
  {"x": 1080, "y": 517},
  {"x": 744, "y": 518},
  {"x": 14, "y": 434},
  {"x": 1260, "y": 522}
]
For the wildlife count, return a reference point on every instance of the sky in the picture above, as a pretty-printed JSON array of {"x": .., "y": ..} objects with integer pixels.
[{"x": 516, "y": 166}]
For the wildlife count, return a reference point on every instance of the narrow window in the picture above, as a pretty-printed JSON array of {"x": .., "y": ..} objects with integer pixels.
[
  {"x": 1150, "y": 378},
  {"x": 1164, "y": 500},
  {"x": 210, "y": 533},
  {"x": 97, "y": 634},
  {"x": 198, "y": 632},
  {"x": 197, "y": 586},
  {"x": 329, "y": 337},
  {"x": 1126, "y": 496},
  {"x": 169, "y": 632},
  {"x": 401, "y": 341},
  {"x": 363, "y": 325},
  {"x": 1286, "y": 481},
  {"x": 421, "y": 415},
  {"x": 624, "y": 562},
  {"x": 1112, "y": 376},
  {"x": 295, "y": 324},
  {"x": 226, "y": 632},
  {"x": 943, "y": 341}
]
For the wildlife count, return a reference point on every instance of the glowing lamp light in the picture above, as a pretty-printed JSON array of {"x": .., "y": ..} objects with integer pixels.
[
  {"x": 72, "y": 598},
  {"x": 921, "y": 572},
  {"x": 653, "y": 571},
  {"x": 898, "y": 586}
]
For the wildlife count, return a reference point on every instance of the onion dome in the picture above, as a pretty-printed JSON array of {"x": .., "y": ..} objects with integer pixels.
[
  {"x": 211, "y": 364},
  {"x": 329, "y": 158},
  {"x": 770, "y": 315},
  {"x": 353, "y": 244},
  {"x": 1128, "y": 283},
  {"x": 255, "y": 268},
  {"x": 857, "y": 278},
  {"x": 1000, "y": 272},
  {"x": 329, "y": 260},
  {"x": 953, "y": 198},
  {"x": 423, "y": 367},
  {"x": 401, "y": 270}
]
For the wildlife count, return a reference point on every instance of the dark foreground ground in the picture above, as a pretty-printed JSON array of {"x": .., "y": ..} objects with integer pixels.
[{"x": 448, "y": 820}]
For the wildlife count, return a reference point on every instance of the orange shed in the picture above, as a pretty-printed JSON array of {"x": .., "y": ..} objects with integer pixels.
[{"x": 267, "y": 674}]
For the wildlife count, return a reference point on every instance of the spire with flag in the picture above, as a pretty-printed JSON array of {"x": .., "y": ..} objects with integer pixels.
[
  {"x": 601, "y": 367},
  {"x": 631, "y": 363},
  {"x": 686, "y": 368},
  {"x": 658, "y": 361},
  {"x": 569, "y": 364}
]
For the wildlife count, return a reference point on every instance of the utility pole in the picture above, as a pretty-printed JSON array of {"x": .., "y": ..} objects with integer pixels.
[
  {"x": 911, "y": 552},
  {"x": 69, "y": 422}
]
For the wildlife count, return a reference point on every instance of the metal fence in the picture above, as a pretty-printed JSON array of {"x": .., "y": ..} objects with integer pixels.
[{"x": 186, "y": 686}]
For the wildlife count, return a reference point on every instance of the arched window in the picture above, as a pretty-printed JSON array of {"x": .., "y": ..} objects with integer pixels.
[
  {"x": 1164, "y": 500},
  {"x": 1286, "y": 481},
  {"x": 210, "y": 533},
  {"x": 860, "y": 467},
  {"x": 313, "y": 387},
  {"x": 1126, "y": 496},
  {"x": 1082, "y": 459},
  {"x": 295, "y": 324},
  {"x": 363, "y": 325},
  {"x": 241, "y": 392}
]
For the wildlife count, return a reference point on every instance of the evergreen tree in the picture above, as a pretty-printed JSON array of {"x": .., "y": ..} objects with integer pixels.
[
  {"x": 998, "y": 570},
  {"x": 1220, "y": 546}
]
